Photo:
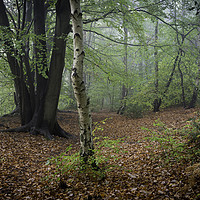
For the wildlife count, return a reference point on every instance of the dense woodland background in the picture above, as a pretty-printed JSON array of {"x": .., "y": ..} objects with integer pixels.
[{"x": 142, "y": 55}]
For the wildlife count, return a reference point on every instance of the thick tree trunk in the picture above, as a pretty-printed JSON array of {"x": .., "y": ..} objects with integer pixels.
[
  {"x": 40, "y": 61},
  {"x": 78, "y": 83},
  {"x": 57, "y": 63},
  {"x": 38, "y": 104},
  {"x": 48, "y": 90}
]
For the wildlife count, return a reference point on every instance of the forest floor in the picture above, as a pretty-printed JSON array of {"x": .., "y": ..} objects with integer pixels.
[{"x": 134, "y": 175}]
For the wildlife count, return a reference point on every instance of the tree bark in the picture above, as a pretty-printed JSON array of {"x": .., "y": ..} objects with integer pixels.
[
  {"x": 39, "y": 94},
  {"x": 9, "y": 49},
  {"x": 195, "y": 91},
  {"x": 57, "y": 63},
  {"x": 157, "y": 101},
  {"x": 78, "y": 84},
  {"x": 40, "y": 51},
  {"x": 124, "y": 88},
  {"x": 182, "y": 82},
  {"x": 196, "y": 86}
]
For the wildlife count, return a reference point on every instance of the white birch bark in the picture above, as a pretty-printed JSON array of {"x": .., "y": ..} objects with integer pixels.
[{"x": 78, "y": 83}]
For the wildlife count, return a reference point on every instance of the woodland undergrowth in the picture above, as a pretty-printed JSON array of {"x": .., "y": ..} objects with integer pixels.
[{"x": 154, "y": 157}]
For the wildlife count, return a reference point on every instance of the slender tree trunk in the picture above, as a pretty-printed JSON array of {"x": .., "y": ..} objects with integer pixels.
[
  {"x": 26, "y": 49},
  {"x": 195, "y": 91},
  {"x": 27, "y": 81},
  {"x": 176, "y": 61},
  {"x": 182, "y": 82},
  {"x": 196, "y": 87},
  {"x": 10, "y": 50},
  {"x": 171, "y": 76},
  {"x": 78, "y": 83},
  {"x": 157, "y": 101},
  {"x": 124, "y": 88}
]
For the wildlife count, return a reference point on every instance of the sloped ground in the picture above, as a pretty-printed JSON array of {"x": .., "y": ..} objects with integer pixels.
[{"x": 23, "y": 158}]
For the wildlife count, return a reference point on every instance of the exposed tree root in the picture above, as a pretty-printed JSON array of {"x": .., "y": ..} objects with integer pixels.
[
  {"x": 24, "y": 128},
  {"x": 45, "y": 132},
  {"x": 58, "y": 131},
  {"x": 67, "y": 111},
  {"x": 61, "y": 133},
  {"x": 2, "y": 125}
]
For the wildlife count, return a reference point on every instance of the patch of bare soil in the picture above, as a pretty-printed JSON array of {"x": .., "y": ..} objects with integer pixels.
[{"x": 23, "y": 158}]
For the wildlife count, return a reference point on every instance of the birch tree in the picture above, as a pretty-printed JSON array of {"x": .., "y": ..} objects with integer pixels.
[{"x": 78, "y": 84}]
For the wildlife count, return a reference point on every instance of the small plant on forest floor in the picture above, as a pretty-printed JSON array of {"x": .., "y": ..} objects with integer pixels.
[
  {"x": 171, "y": 143},
  {"x": 192, "y": 129},
  {"x": 64, "y": 168},
  {"x": 107, "y": 151},
  {"x": 98, "y": 125},
  {"x": 192, "y": 132}
]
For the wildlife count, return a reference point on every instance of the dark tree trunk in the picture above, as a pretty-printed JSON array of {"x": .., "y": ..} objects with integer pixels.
[
  {"x": 57, "y": 63},
  {"x": 48, "y": 90},
  {"x": 193, "y": 101},
  {"x": 40, "y": 63},
  {"x": 124, "y": 88},
  {"x": 38, "y": 104},
  {"x": 182, "y": 83},
  {"x": 157, "y": 101},
  {"x": 9, "y": 50},
  {"x": 156, "y": 105}
]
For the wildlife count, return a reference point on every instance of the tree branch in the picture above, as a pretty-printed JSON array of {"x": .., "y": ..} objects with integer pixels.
[
  {"x": 11, "y": 18},
  {"x": 96, "y": 19},
  {"x": 150, "y": 5},
  {"x": 140, "y": 10},
  {"x": 123, "y": 43}
]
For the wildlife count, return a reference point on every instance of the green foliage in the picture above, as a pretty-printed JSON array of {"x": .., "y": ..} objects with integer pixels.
[
  {"x": 6, "y": 89},
  {"x": 67, "y": 164},
  {"x": 6, "y": 98},
  {"x": 104, "y": 64},
  {"x": 98, "y": 126},
  {"x": 192, "y": 130},
  {"x": 172, "y": 144},
  {"x": 72, "y": 165},
  {"x": 66, "y": 99},
  {"x": 135, "y": 108}
]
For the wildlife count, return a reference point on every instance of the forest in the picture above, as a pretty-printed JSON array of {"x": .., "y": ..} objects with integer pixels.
[{"x": 99, "y": 99}]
